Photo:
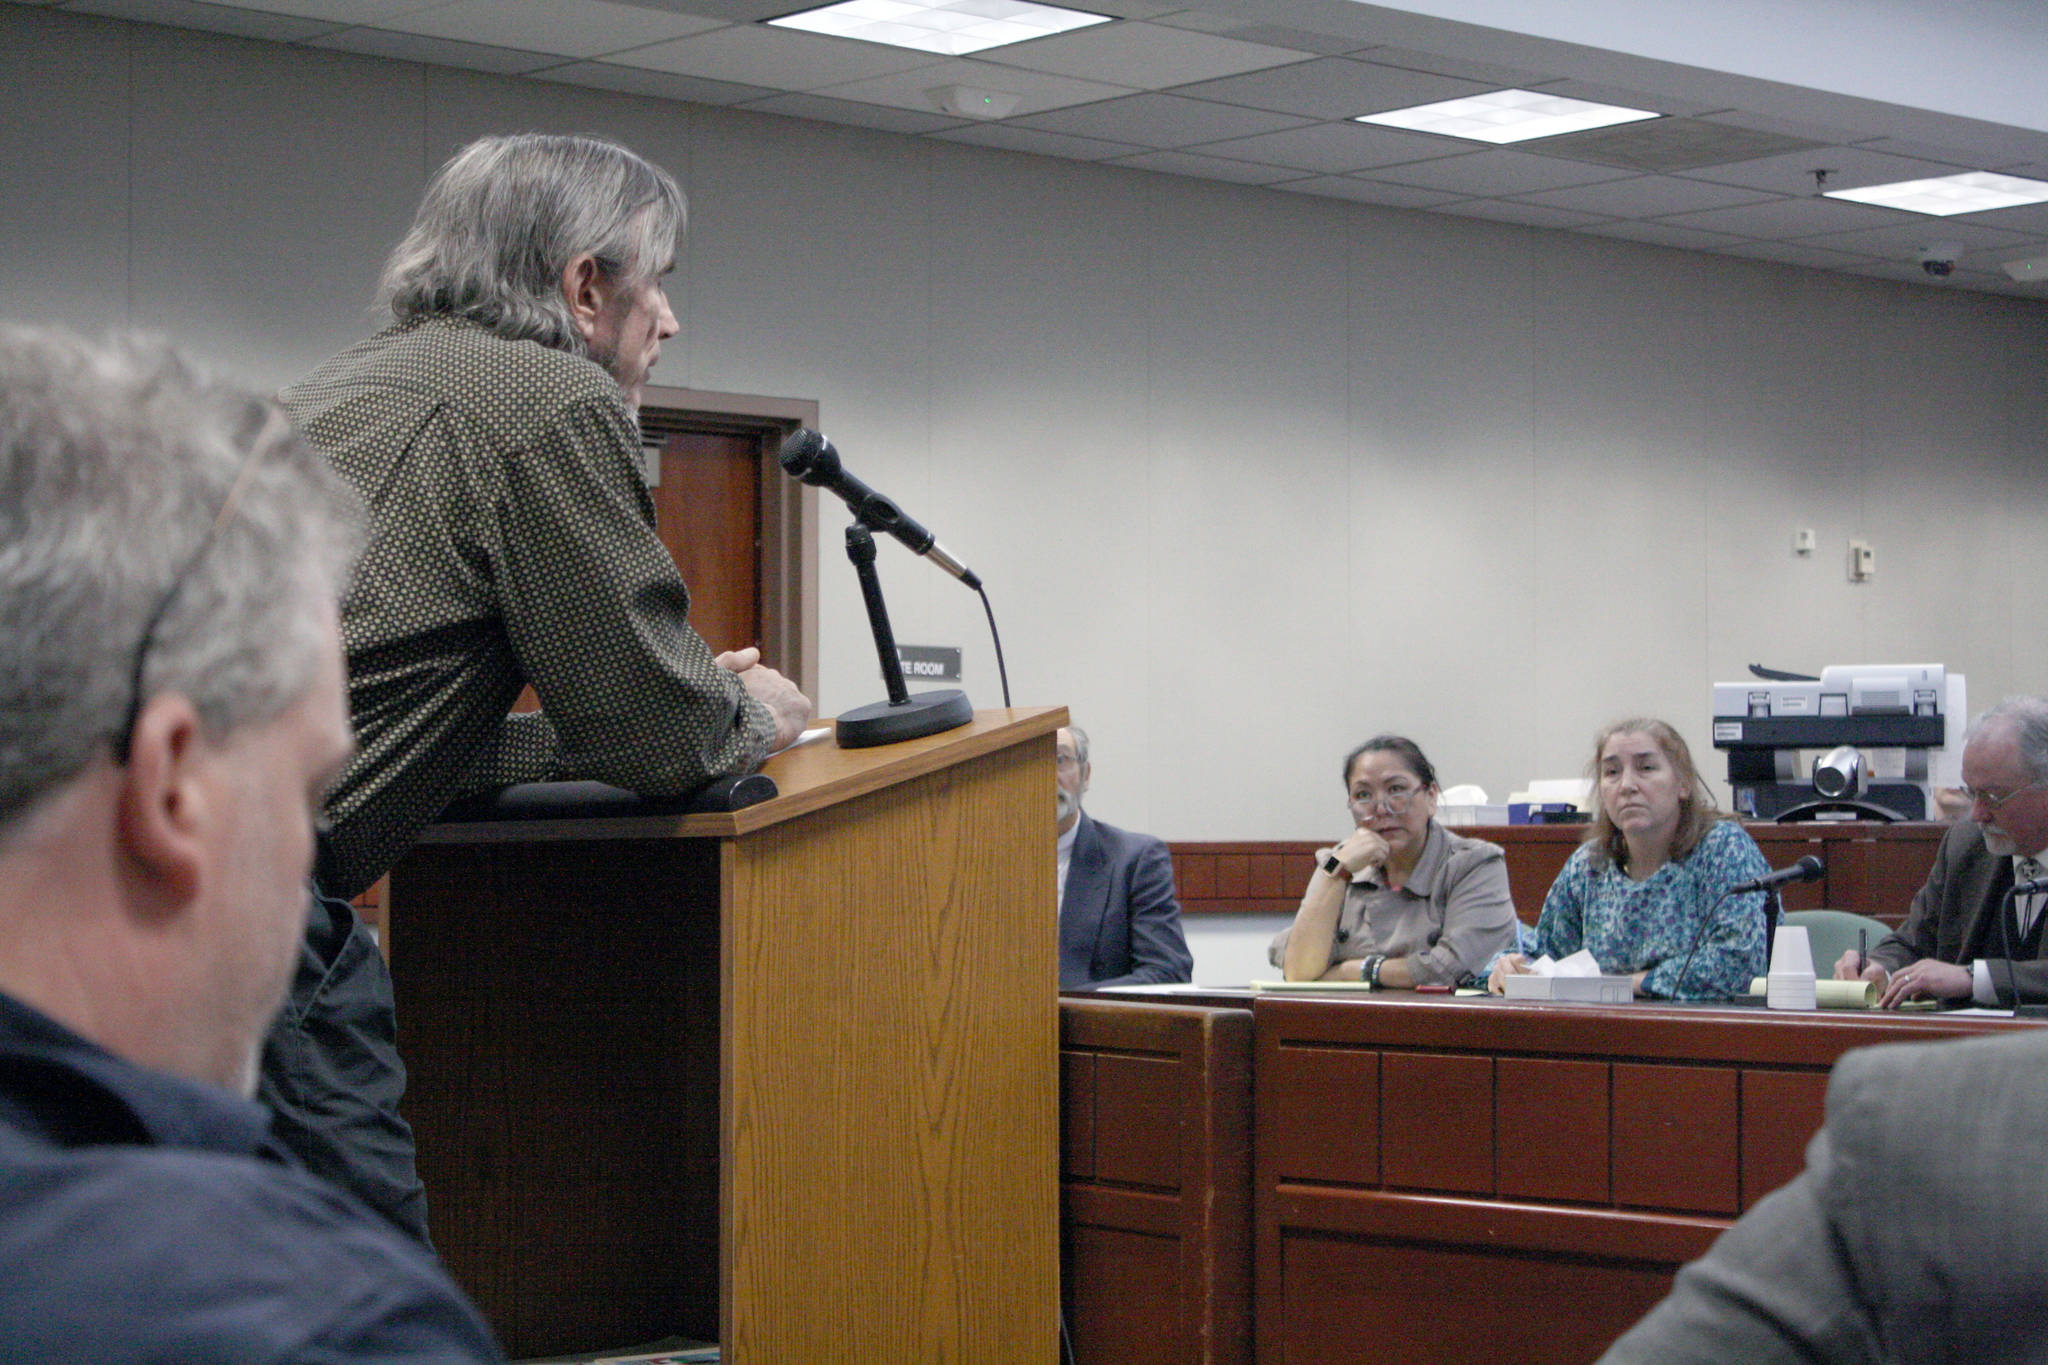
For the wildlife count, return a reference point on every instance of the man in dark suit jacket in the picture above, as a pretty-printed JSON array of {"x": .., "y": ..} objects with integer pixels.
[
  {"x": 1952, "y": 945},
  {"x": 1119, "y": 921},
  {"x": 1914, "y": 1233}
]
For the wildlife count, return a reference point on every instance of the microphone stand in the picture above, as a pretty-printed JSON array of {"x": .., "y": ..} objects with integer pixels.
[{"x": 902, "y": 716}]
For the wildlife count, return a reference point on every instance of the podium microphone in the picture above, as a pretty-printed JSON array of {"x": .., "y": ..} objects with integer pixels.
[
  {"x": 1807, "y": 869},
  {"x": 809, "y": 456}
]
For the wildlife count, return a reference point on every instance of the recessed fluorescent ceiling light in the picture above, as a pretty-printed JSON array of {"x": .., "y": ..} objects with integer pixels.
[
  {"x": 1508, "y": 116},
  {"x": 953, "y": 28},
  {"x": 1971, "y": 192}
]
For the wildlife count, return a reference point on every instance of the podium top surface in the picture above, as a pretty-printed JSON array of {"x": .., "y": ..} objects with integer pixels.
[{"x": 810, "y": 777}]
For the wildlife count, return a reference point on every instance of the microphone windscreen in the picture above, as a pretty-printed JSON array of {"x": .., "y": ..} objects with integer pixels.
[{"x": 801, "y": 451}]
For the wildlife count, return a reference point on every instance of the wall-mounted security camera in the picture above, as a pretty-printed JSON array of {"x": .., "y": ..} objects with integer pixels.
[{"x": 1939, "y": 258}]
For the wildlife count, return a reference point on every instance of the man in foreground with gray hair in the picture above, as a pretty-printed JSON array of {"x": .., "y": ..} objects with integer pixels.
[
  {"x": 171, "y": 714},
  {"x": 492, "y": 432},
  {"x": 1959, "y": 941}
]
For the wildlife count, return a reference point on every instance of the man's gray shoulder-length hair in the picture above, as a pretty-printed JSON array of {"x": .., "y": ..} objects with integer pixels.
[
  {"x": 116, "y": 460},
  {"x": 503, "y": 219}
]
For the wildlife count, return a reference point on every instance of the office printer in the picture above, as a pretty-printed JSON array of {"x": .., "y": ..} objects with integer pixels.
[{"x": 1865, "y": 741}]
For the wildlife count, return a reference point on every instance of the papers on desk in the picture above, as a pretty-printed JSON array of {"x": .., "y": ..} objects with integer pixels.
[
  {"x": 1830, "y": 994},
  {"x": 1318, "y": 987}
]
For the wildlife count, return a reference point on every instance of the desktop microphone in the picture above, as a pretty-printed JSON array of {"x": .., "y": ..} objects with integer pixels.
[
  {"x": 1807, "y": 869},
  {"x": 808, "y": 456}
]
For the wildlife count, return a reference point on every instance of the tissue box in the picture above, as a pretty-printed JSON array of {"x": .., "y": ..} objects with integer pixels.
[{"x": 1595, "y": 990}]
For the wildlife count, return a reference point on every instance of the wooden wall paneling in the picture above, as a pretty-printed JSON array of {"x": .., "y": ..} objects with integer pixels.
[
  {"x": 1331, "y": 1097},
  {"x": 1156, "y": 1236},
  {"x": 1551, "y": 1124},
  {"x": 1352, "y": 1302},
  {"x": 1436, "y": 1122},
  {"x": 1140, "y": 1138},
  {"x": 1077, "y": 1114},
  {"x": 1675, "y": 1138},
  {"x": 1781, "y": 1111}
]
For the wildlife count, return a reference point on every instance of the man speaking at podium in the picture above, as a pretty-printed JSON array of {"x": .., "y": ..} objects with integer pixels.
[
  {"x": 492, "y": 431},
  {"x": 1119, "y": 921}
]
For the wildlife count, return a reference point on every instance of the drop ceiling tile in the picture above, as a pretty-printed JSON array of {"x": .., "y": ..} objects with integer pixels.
[
  {"x": 1526, "y": 215},
  {"x": 638, "y": 80},
  {"x": 1848, "y": 168},
  {"x": 828, "y": 110},
  {"x": 1331, "y": 88},
  {"x": 1910, "y": 237},
  {"x": 1149, "y": 56},
  {"x": 779, "y": 58},
  {"x": 1909, "y": 272},
  {"x": 1661, "y": 234},
  {"x": 1035, "y": 90},
  {"x": 1038, "y": 143},
  {"x": 1368, "y": 192},
  {"x": 1333, "y": 148},
  {"x": 243, "y": 23},
  {"x": 1645, "y": 196},
  {"x": 1498, "y": 172},
  {"x": 415, "y": 47},
  {"x": 1627, "y": 99},
  {"x": 589, "y": 28},
  {"x": 344, "y": 11},
  {"x": 1982, "y": 158},
  {"x": 1206, "y": 168},
  {"x": 1163, "y": 121},
  {"x": 1484, "y": 73},
  {"x": 1798, "y": 253},
  {"x": 2032, "y": 218},
  {"x": 1200, "y": 21},
  {"x": 1782, "y": 218},
  {"x": 731, "y": 11},
  {"x": 1831, "y": 133},
  {"x": 1298, "y": 39}
]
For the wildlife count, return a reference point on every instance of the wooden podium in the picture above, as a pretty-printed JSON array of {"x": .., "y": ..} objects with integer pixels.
[{"x": 785, "y": 1077}]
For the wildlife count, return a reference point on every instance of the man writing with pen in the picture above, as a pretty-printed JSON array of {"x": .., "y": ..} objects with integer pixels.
[{"x": 1965, "y": 939}]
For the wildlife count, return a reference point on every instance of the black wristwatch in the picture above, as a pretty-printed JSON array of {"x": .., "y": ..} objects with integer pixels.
[
  {"x": 1369, "y": 970},
  {"x": 1335, "y": 867}
]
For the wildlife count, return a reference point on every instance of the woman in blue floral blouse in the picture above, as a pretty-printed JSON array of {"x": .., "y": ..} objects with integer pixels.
[{"x": 1657, "y": 861}]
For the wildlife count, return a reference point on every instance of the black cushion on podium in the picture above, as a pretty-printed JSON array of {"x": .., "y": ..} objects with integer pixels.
[{"x": 587, "y": 800}]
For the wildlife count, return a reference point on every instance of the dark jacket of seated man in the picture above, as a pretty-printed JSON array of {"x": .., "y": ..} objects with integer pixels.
[
  {"x": 1119, "y": 921},
  {"x": 150, "y": 1218}
]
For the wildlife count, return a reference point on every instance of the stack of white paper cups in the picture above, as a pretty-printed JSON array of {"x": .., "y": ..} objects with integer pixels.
[{"x": 1790, "y": 985}]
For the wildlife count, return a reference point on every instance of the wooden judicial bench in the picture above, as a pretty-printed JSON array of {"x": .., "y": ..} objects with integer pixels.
[
  {"x": 1872, "y": 869},
  {"x": 1430, "y": 1178},
  {"x": 785, "y": 1077}
]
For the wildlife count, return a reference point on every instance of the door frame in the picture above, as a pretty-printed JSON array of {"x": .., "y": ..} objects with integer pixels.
[{"x": 787, "y": 554}]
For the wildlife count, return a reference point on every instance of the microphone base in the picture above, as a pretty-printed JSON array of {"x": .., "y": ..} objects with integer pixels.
[{"x": 883, "y": 722}]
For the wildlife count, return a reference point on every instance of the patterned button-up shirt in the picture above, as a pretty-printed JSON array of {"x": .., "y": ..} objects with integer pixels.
[{"x": 512, "y": 542}]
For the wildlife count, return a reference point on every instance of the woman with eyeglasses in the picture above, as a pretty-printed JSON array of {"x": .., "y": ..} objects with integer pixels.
[
  {"x": 1646, "y": 892},
  {"x": 1401, "y": 902}
]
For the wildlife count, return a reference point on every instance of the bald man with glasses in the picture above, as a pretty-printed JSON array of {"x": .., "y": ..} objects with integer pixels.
[{"x": 1959, "y": 942}]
